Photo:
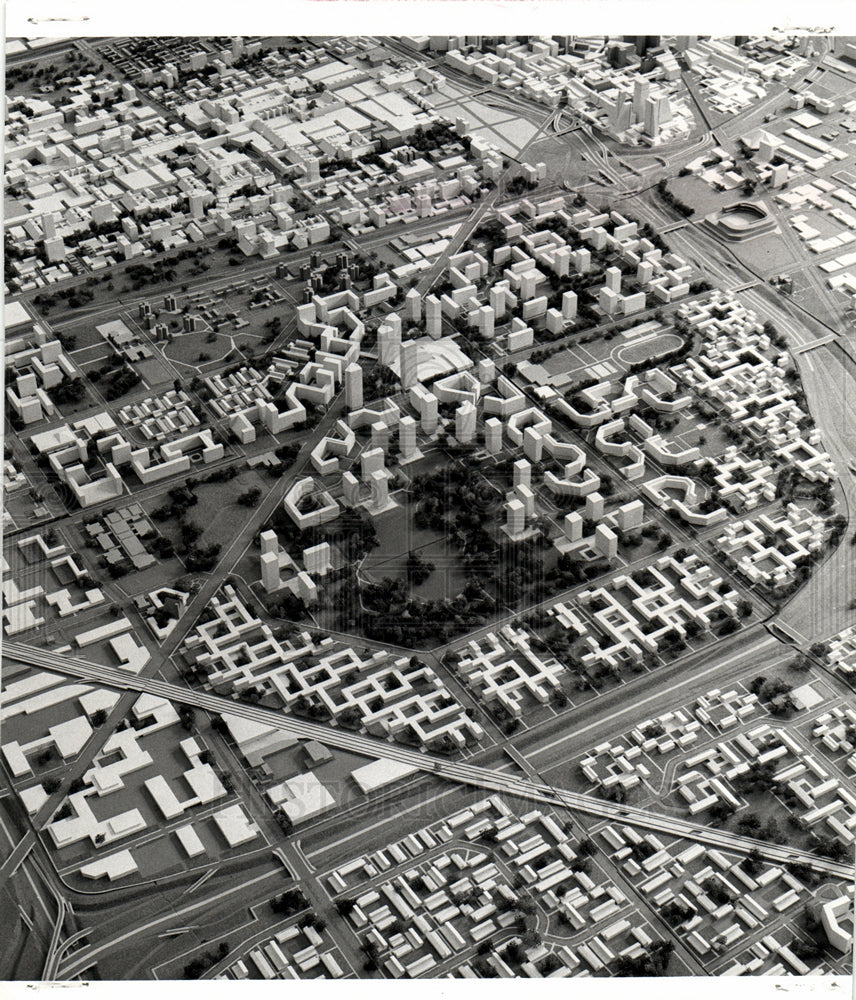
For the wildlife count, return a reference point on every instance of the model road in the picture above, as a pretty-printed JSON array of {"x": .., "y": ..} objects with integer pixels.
[
  {"x": 465, "y": 773},
  {"x": 208, "y": 590}
]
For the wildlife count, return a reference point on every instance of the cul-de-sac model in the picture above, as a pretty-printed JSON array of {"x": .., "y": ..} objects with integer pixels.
[{"x": 429, "y": 508}]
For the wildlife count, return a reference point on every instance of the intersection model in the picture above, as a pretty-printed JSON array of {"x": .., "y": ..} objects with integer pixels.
[{"x": 429, "y": 483}]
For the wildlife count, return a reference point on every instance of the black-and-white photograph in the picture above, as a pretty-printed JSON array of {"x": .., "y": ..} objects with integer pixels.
[{"x": 429, "y": 507}]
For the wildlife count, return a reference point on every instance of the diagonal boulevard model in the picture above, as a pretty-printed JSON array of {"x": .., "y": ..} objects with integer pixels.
[{"x": 468, "y": 774}]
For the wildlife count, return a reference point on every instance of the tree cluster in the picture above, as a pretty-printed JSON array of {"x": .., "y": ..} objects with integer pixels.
[
  {"x": 202, "y": 963},
  {"x": 653, "y": 962},
  {"x": 289, "y": 902},
  {"x": 670, "y": 199}
]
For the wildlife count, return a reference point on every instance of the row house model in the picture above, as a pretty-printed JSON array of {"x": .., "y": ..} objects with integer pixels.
[
  {"x": 237, "y": 390},
  {"x": 722, "y": 710},
  {"x": 218, "y": 307},
  {"x": 723, "y": 935},
  {"x": 459, "y": 895},
  {"x": 159, "y": 417},
  {"x": 388, "y": 696},
  {"x": 295, "y": 952}
]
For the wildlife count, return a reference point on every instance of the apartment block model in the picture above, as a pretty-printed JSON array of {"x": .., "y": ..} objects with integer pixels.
[
  {"x": 630, "y": 105},
  {"x": 279, "y": 570},
  {"x": 25, "y": 607},
  {"x": 685, "y": 877},
  {"x": 710, "y": 776},
  {"x": 662, "y": 600},
  {"x": 37, "y": 362},
  {"x": 503, "y": 668},
  {"x": 842, "y": 651},
  {"x": 752, "y": 390},
  {"x": 238, "y": 652},
  {"x": 770, "y": 550}
]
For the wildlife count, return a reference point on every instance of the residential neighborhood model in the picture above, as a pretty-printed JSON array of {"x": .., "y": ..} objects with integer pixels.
[{"x": 428, "y": 532}]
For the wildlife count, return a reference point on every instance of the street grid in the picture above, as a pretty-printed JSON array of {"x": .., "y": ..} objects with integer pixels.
[{"x": 173, "y": 910}]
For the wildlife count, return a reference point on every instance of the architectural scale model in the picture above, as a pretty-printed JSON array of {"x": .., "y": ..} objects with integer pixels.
[{"x": 429, "y": 478}]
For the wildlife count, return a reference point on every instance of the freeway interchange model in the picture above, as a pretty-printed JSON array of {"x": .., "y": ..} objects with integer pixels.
[{"x": 428, "y": 485}]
